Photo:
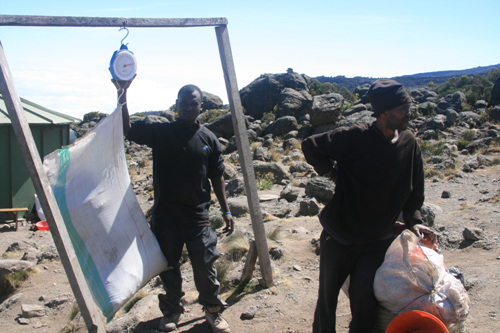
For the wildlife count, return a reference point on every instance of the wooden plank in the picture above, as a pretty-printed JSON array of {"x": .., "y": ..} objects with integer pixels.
[
  {"x": 74, "y": 21},
  {"x": 7, "y": 210},
  {"x": 245, "y": 157},
  {"x": 88, "y": 308},
  {"x": 249, "y": 263}
]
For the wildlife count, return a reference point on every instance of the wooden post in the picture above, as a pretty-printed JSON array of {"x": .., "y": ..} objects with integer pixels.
[
  {"x": 245, "y": 156},
  {"x": 88, "y": 308},
  {"x": 47, "y": 200},
  {"x": 249, "y": 263}
]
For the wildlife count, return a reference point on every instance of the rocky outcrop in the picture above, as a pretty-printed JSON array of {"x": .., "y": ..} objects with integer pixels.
[{"x": 264, "y": 93}]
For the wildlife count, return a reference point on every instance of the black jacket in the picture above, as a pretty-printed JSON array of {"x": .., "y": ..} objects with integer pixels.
[
  {"x": 377, "y": 180},
  {"x": 184, "y": 159}
]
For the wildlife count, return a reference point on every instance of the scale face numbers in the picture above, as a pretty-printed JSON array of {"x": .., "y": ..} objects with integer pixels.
[{"x": 123, "y": 65}]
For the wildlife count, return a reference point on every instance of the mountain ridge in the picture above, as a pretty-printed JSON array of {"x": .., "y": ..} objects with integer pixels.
[{"x": 409, "y": 81}]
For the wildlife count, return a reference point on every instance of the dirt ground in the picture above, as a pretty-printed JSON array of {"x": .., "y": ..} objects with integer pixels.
[{"x": 288, "y": 306}]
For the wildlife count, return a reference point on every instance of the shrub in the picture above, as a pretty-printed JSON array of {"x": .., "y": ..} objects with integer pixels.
[
  {"x": 462, "y": 144},
  {"x": 11, "y": 281},
  {"x": 211, "y": 115},
  {"x": 432, "y": 148},
  {"x": 237, "y": 244},
  {"x": 215, "y": 218},
  {"x": 136, "y": 298},
  {"x": 429, "y": 173},
  {"x": 265, "y": 182},
  {"x": 94, "y": 115},
  {"x": 469, "y": 135},
  {"x": 268, "y": 117},
  {"x": 222, "y": 267},
  {"x": 275, "y": 234}
]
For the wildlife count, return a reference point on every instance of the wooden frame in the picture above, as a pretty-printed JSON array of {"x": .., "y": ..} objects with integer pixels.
[{"x": 89, "y": 311}]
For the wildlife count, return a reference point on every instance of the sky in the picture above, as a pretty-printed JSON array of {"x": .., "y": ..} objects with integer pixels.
[{"x": 66, "y": 69}]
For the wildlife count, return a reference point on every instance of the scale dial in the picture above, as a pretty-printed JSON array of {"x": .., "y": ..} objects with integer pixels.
[{"x": 123, "y": 65}]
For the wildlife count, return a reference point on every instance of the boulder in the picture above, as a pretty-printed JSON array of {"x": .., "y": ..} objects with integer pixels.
[
  {"x": 282, "y": 126},
  {"x": 277, "y": 169},
  {"x": 222, "y": 127},
  {"x": 495, "y": 93},
  {"x": 452, "y": 101},
  {"x": 294, "y": 103},
  {"x": 211, "y": 101},
  {"x": 495, "y": 114},
  {"x": 326, "y": 109},
  {"x": 264, "y": 93},
  {"x": 320, "y": 188}
]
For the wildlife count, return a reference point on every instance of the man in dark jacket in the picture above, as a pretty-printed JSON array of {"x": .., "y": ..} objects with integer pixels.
[
  {"x": 187, "y": 163},
  {"x": 378, "y": 174}
]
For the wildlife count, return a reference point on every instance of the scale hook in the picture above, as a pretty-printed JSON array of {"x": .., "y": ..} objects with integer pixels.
[{"x": 122, "y": 28}]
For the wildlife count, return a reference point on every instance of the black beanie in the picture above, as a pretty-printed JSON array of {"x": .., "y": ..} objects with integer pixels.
[{"x": 386, "y": 94}]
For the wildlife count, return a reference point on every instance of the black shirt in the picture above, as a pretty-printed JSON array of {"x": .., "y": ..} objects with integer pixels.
[
  {"x": 185, "y": 157},
  {"x": 377, "y": 180}
]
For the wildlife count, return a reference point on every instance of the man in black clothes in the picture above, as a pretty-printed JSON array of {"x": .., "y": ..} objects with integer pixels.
[
  {"x": 378, "y": 174},
  {"x": 187, "y": 158}
]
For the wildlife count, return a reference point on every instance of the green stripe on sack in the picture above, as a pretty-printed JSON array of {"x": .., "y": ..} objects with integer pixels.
[{"x": 88, "y": 266}]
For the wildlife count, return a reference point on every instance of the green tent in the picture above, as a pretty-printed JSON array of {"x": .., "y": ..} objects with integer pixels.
[{"x": 51, "y": 131}]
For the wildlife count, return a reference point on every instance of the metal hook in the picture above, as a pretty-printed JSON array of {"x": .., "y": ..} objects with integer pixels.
[{"x": 122, "y": 28}]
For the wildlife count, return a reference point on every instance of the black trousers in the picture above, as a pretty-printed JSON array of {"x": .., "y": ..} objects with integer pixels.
[
  {"x": 201, "y": 246},
  {"x": 337, "y": 262}
]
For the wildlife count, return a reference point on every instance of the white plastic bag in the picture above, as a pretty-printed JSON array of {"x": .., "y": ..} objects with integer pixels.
[
  {"x": 413, "y": 277},
  {"x": 117, "y": 251}
]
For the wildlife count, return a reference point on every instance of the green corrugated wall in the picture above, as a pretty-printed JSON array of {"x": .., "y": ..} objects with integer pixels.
[{"x": 16, "y": 188}]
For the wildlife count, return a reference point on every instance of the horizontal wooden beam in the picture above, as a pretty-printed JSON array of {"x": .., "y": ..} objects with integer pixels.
[{"x": 74, "y": 21}]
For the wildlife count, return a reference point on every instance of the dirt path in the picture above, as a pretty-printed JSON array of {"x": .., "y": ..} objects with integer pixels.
[{"x": 289, "y": 305}]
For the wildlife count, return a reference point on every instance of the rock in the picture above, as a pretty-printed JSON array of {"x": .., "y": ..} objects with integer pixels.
[
  {"x": 58, "y": 300},
  {"x": 222, "y": 127},
  {"x": 276, "y": 169},
  {"x": 290, "y": 193},
  {"x": 326, "y": 109},
  {"x": 301, "y": 168},
  {"x": 50, "y": 253},
  {"x": 452, "y": 101},
  {"x": 473, "y": 234},
  {"x": 249, "y": 313},
  {"x": 229, "y": 172},
  {"x": 262, "y": 154},
  {"x": 354, "y": 109},
  {"x": 297, "y": 268},
  {"x": 321, "y": 189},
  {"x": 8, "y": 266},
  {"x": 300, "y": 230},
  {"x": 32, "y": 311},
  {"x": 495, "y": 114},
  {"x": 470, "y": 118},
  {"x": 446, "y": 195},
  {"x": 357, "y": 118},
  {"x": 268, "y": 197},
  {"x": 282, "y": 126},
  {"x": 294, "y": 103},
  {"x": 265, "y": 92},
  {"x": 23, "y": 321},
  {"x": 238, "y": 206},
  {"x": 470, "y": 164},
  {"x": 276, "y": 253},
  {"x": 428, "y": 215},
  {"x": 235, "y": 186},
  {"x": 211, "y": 101},
  {"x": 308, "y": 207},
  {"x": 495, "y": 93},
  {"x": 138, "y": 319},
  {"x": 10, "y": 301}
]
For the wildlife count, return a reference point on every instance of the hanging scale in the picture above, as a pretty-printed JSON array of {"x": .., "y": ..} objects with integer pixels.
[{"x": 123, "y": 65}]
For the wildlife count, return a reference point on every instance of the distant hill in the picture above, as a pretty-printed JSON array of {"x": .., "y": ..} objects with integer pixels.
[{"x": 409, "y": 81}]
